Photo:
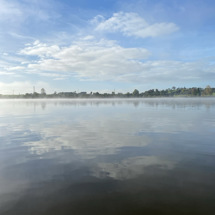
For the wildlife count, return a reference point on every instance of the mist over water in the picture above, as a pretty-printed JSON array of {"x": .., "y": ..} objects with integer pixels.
[{"x": 106, "y": 156}]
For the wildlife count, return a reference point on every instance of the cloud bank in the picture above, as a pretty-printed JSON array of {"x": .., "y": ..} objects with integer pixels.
[
  {"x": 105, "y": 60},
  {"x": 95, "y": 60}
]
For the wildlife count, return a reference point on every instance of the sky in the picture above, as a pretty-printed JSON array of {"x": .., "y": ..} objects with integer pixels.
[{"x": 106, "y": 45}]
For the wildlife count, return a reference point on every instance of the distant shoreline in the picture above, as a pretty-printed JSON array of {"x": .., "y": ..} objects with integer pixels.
[{"x": 153, "y": 93}]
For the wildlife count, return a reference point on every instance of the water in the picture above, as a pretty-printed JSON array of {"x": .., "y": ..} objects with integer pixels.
[{"x": 149, "y": 156}]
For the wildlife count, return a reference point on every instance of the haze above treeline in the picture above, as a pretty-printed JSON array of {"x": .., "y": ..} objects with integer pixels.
[{"x": 170, "y": 92}]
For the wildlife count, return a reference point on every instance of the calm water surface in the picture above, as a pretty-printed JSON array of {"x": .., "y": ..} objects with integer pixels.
[{"x": 149, "y": 156}]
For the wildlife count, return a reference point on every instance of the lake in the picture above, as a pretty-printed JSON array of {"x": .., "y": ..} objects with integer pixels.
[{"x": 83, "y": 157}]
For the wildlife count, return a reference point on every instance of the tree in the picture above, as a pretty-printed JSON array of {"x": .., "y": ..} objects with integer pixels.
[
  {"x": 43, "y": 91},
  {"x": 194, "y": 91},
  {"x": 135, "y": 93},
  {"x": 208, "y": 90}
]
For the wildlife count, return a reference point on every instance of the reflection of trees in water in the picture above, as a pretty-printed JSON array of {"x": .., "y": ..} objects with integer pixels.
[
  {"x": 151, "y": 102},
  {"x": 37, "y": 104},
  {"x": 182, "y": 102},
  {"x": 173, "y": 103},
  {"x": 43, "y": 105}
]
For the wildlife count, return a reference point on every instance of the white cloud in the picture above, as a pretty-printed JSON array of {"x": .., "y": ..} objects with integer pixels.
[
  {"x": 131, "y": 24},
  {"x": 6, "y": 73},
  {"x": 15, "y": 68},
  {"x": 100, "y": 60},
  {"x": 88, "y": 37},
  {"x": 105, "y": 60},
  {"x": 40, "y": 49}
]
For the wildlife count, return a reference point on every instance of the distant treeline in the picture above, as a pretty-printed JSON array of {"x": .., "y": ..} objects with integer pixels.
[{"x": 171, "y": 92}]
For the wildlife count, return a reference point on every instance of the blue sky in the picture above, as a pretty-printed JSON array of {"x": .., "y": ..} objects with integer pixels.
[{"x": 106, "y": 45}]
